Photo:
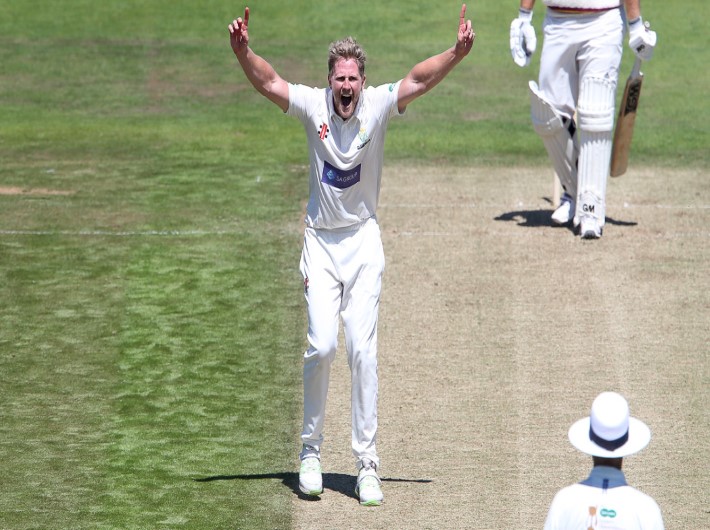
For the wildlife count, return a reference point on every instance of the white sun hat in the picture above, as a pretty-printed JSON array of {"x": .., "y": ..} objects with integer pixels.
[{"x": 609, "y": 431}]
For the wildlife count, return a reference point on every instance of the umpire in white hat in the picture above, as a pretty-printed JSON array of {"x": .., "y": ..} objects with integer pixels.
[{"x": 604, "y": 499}]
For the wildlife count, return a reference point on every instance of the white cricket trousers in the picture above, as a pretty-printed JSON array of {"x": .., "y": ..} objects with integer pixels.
[
  {"x": 576, "y": 47},
  {"x": 342, "y": 273},
  {"x": 579, "y": 71}
]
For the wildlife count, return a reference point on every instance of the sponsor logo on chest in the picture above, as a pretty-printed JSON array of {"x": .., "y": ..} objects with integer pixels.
[{"x": 340, "y": 178}]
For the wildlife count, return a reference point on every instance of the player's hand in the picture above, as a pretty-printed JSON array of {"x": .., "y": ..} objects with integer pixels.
[
  {"x": 239, "y": 33},
  {"x": 523, "y": 41},
  {"x": 466, "y": 35},
  {"x": 641, "y": 39}
]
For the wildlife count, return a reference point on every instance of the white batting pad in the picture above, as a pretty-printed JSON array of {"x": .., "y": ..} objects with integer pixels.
[
  {"x": 596, "y": 122},
  {"x": 554, "y": 129},
  {"x": 595, "y": 111}
]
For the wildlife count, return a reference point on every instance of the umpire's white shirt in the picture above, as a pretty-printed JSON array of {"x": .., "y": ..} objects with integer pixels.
[
  {"x": 603, "y": 501},
  {"x": 345, "y": 156}
]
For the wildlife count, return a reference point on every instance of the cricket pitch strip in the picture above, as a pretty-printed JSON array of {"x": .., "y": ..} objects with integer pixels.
[{"x": 496, "y": 333}]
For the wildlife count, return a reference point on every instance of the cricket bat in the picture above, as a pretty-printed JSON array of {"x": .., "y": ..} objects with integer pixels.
[{"x": 625, "y": 121}]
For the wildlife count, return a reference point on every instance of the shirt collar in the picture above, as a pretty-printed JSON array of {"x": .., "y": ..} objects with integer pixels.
[{"x": 605, "y": 477}]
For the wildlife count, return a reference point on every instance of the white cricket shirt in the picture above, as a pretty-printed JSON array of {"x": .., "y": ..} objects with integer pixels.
[
  {"x": 345, "y": 156},
  {"x": 603, "y": 501}
]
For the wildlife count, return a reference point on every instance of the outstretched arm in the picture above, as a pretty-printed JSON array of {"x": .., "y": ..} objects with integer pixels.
[
  {"x": 259, "y": 72},
  {"x": 427, "y": 74}
]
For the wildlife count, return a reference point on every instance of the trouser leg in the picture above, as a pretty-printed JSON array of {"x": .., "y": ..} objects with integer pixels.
[
  {"x": 558, "y": 136},
  {"x": 361, "y": 299},
  {"x": 322, "y": 291}
]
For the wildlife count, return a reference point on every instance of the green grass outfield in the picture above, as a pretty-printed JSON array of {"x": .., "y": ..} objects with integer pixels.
[{"x": 152, "y": 320}]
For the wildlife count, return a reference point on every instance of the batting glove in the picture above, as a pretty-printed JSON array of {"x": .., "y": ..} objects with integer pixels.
[
  {"x": 522, "y": 38},
  {"x": 641, "y": 39}
]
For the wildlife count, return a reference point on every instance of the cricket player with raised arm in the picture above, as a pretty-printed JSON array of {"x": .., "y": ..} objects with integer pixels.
[
  {"x": 342, "y": 260},
  {"x": 579, "y": 71}
]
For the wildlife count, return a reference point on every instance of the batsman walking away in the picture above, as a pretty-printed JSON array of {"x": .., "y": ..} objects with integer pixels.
[
  {"x": 579, "y": 72},
  {"x": 342, "y": 259}
]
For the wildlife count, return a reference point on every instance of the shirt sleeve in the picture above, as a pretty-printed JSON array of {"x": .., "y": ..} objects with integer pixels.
[
  {"x": 553, "y": 520},
  {"x": 387, "y": 98},
  {"x": 301, "y": 99},
  {"x": 652, "y": 517},
  {"x": 550, "y": 523}
]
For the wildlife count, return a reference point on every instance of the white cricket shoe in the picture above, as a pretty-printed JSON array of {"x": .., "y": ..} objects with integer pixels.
[
  {"x": 589, "y": 228},
  {"x": 310, "y": 477},
  {"x": 368, "y": 485},
  {"x": 564, "y": 212}
]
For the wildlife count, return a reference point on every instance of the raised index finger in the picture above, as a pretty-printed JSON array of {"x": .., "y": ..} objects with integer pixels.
[
  {"x": 462, "y": 17},
  {"x": 246, "y": 16}
]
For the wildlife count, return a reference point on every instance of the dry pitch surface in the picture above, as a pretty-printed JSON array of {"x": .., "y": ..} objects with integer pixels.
[{"x": 496, "y": 333}]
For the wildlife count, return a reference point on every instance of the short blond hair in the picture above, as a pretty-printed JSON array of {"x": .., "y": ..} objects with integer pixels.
[{"x": 347, "y": 48}]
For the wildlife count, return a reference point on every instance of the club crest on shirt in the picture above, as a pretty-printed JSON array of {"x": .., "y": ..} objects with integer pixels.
[
  {"x": 363, "y": 137},
  {"x": 340, "y": 178}
]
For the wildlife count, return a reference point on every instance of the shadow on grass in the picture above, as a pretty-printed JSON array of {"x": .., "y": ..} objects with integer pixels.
[
  {"x": 338, "y": 482},
  {"x": 538, "y": 218}
]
